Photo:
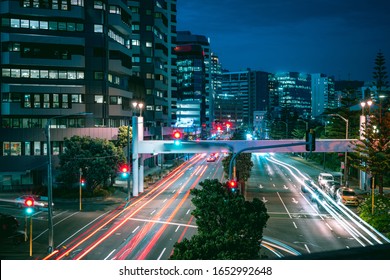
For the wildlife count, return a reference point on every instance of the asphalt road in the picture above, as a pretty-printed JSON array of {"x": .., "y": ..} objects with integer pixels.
[{"x": 150, "y": 225}]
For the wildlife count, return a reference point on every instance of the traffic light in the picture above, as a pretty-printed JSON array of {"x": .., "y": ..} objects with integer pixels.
[
  {"x": 177, "y": 136},
  {"x": 125, "y": 170},
  {"x": 29, "y": 203},
  {"x": 310, "y": 140},
  {"x": 232, "y": 185},
  {"x": 82, "y": 182}
]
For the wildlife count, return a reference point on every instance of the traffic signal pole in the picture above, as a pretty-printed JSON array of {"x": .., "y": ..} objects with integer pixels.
[{"x": 232, "y": 160}]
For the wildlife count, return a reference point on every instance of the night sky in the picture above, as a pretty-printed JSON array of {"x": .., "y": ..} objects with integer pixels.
[{"x": 340, "y": 38}]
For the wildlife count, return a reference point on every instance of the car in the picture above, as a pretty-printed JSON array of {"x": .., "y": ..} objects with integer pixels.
[
  {"x": 210, "y": 159},
  {"x": 40, "y": 202},
  {"x": 324, "y": 178},
  {"x": 347, "y": 196},
  {"x": 306, "y": 185},
  {"x": 331, "y": 188}
]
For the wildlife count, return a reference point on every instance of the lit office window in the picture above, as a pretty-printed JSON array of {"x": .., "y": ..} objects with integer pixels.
[
  {"x": 56, "y": 101},
  {"x": 24, "y": 23},
  {"x": 37, "y": 148},
  {"x": 80, "y": 75},
  {"x": 25, "y": 73},
  {"x": 15, "y": 23},
  {"x": 44, "y": 74},
  {"x": 98, "y": 98},
  {"x": 43, "y": 25},
  {"x": 37, "y": 101},
  {"x": 149, "y": 44},
  {"x": 46, "y": 100},
  {"x": 6, "y": 148},
  {"x": 62, "y": 75},
  {"x": 56, "y": 148},
  {"x": 34, "y": 74},
  {"x": 98, "y": 28},
  {"x": 15, "y": 73},
  {"x": 27, "y": 148},
  {"x": 53, "y": 74},
  {"x": 16, "y": 149},
  {"x": 6, "y": 72},
  {"x": 98, "y": 5},
  {"x": 34, "y": 24}
]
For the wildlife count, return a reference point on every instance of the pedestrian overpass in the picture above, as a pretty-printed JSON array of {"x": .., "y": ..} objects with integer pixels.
[
  {"x": 234, "y": 146},
  {"x": 140, "y": 148}
]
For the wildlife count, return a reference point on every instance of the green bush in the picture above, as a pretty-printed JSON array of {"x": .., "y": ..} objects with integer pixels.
[{"x": 380, "y": 219}]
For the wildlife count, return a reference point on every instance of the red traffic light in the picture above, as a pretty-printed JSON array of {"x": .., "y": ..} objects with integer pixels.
[
  {"x": 29, "y": 202},
  {"x": 124, "y": 169},
  {"x": 232, "y": 184},
  {"x": 177, "y": 134}
]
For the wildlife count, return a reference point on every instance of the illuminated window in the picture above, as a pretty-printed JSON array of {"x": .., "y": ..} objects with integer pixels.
[
  {"x": 98, "y": 98},
  {"x": 98, "y": 28},
  {"x": 37, "y": 101}
]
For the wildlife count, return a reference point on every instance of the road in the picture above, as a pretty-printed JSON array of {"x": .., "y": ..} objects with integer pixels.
[
  {"x": 295, "y": 220},
  {"x": 149, "y": 225}
]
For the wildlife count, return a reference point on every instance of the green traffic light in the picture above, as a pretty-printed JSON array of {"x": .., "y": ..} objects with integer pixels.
[{"x": 29, "y": 210}]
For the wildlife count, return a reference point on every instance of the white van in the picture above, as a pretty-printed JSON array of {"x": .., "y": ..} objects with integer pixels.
[{"x": 324, "y": 178}]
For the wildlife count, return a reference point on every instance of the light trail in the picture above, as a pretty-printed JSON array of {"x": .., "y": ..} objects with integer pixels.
[
  {"x": 344, "y": 216},
  {"x": 99, "y": 225}
]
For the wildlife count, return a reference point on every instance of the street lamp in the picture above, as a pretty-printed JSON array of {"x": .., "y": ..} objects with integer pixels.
[
  {"x": 139, "y": 105},
  {"x": 50, "y": 177},
  {"x": 346, "y": 137}
]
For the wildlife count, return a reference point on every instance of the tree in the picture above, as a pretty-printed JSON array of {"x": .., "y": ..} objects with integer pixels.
[
  {"x": 122, "y": 136},
  {"x": 97, "y": 159},
  {"x": 381, "y": 82},
  {"x": 228, "y": 226},
  {"x": 372, "y": 153},
  {"x": 243, "y": 162}
]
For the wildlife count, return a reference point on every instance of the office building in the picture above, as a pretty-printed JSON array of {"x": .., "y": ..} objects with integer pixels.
[{"x": 60, "y": 59}]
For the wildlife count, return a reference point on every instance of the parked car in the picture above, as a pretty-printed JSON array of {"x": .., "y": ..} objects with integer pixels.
[
  {"x": 347, "y": 196},
  {"x": 324, "y": 178},
  {"x": 40, "y": 202}
]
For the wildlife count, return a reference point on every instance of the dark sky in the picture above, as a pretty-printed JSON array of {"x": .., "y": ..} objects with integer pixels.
[{"x": 340, "y": 38}]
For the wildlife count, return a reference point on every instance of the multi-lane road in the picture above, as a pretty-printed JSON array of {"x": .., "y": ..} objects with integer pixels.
[{"x": 149, "y": 225}]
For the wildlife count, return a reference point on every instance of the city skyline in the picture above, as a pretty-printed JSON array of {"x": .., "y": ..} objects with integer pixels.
[{"x": 336, "y": 38}]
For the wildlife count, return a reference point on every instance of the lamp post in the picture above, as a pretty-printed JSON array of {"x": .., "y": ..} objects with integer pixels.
[
  {"x": 133, "y": 157},
  {"x": 50, "y": 178},
  {"x": 346, "y": 153}
]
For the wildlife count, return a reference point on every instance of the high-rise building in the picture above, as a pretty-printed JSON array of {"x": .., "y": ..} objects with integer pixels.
[
  {"x": 62, "y": 58},
  {"x": 194, "y": 82},
  {"x": 291, "y": 94},
  {"x": 323, "y": 94},
  {"x": 153, "y": 40},
  {"x": 247, "y": 91}
]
